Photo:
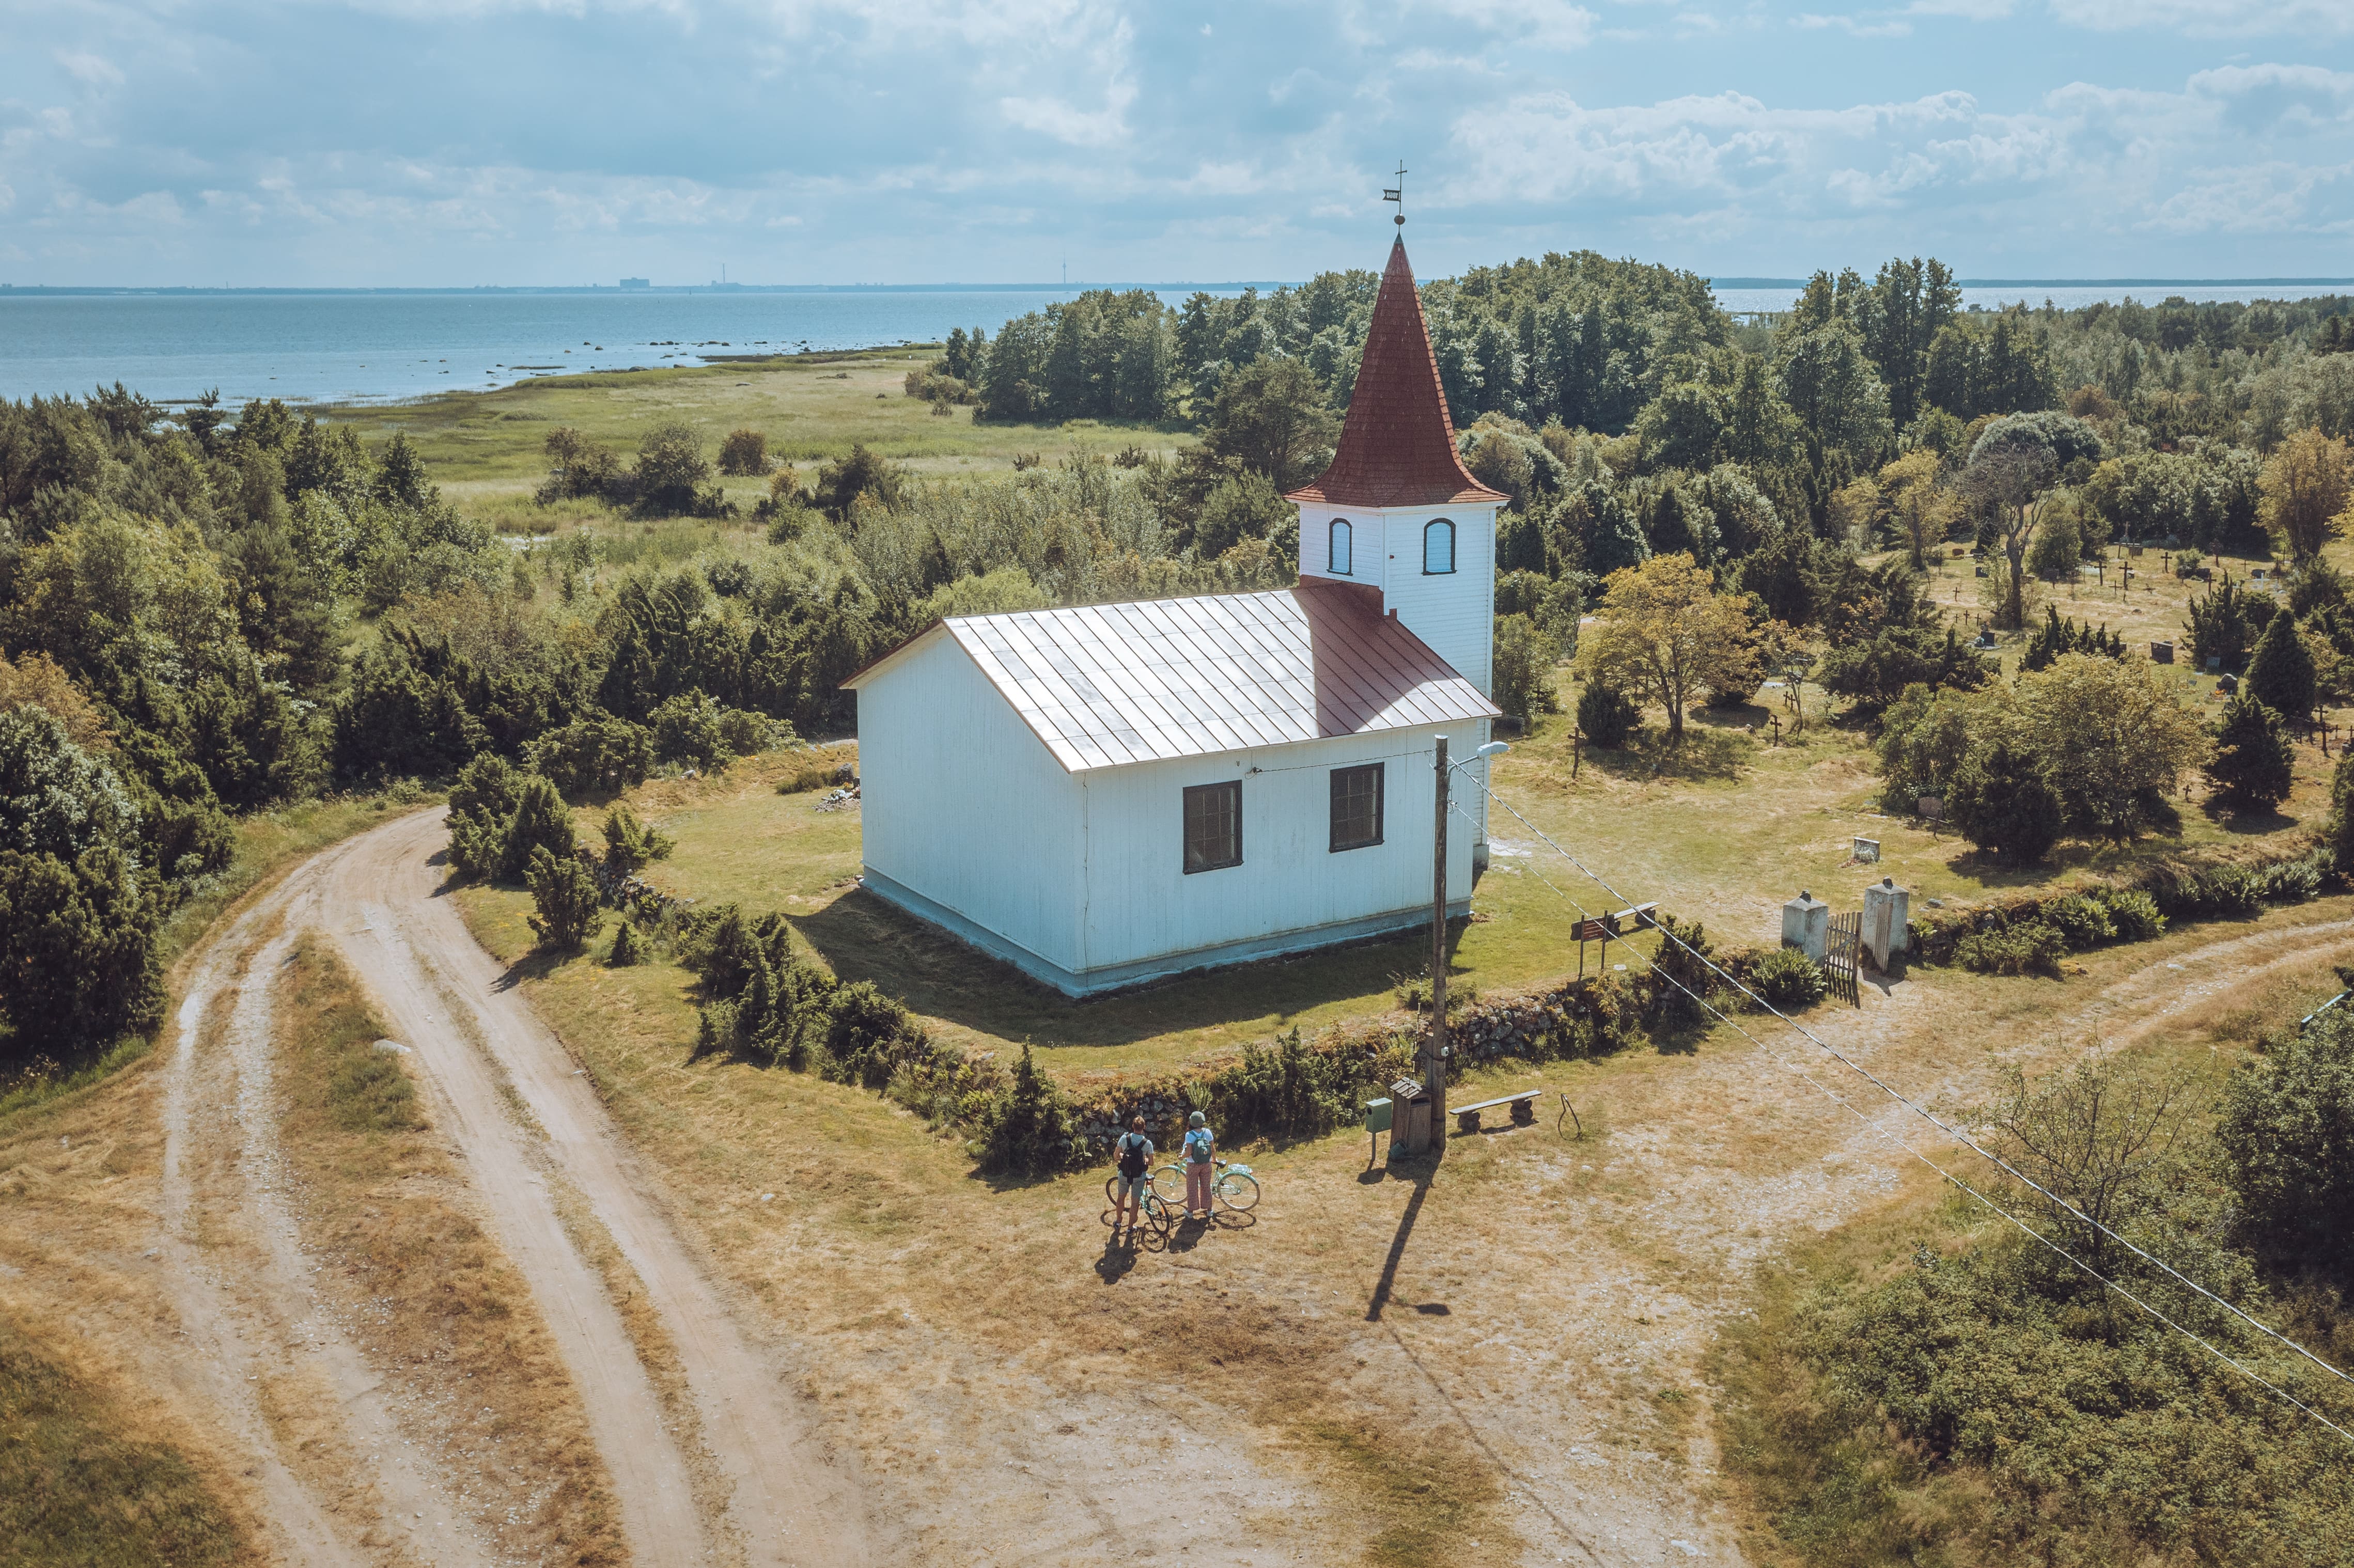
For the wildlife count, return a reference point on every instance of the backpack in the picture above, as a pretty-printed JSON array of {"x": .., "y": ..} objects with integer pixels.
[{"x": 1131, "y": 1155}]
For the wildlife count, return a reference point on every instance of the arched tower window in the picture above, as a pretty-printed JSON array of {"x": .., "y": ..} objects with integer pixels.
[
  {"x": 1438, "y": 548},
  {"x": 1338, "y": 558}
]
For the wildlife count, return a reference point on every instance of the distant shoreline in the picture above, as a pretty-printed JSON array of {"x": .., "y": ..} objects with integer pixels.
[{"x": 179, "y": 291}]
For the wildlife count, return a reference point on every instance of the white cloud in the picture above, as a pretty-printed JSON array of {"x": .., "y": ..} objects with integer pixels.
[
  {"x": 1545, "y": 23},
  {"x": 2210, "y": 16},
  {"x": 93, "y": 71}
]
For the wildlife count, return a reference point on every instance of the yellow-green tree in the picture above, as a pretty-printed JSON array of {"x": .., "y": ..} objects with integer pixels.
[
  {"x": 1664, "y": 635},
  {"x": 2304, "y": 492}
]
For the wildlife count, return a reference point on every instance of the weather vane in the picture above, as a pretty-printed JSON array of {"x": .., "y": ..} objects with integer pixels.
[{"x": 1397, "y": 194}]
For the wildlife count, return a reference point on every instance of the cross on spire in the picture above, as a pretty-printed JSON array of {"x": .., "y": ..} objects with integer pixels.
[{"x": 1397, "y": 194}]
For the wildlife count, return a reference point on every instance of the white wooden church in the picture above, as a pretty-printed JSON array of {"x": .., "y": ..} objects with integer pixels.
[{"x": 1111, "y": 794}]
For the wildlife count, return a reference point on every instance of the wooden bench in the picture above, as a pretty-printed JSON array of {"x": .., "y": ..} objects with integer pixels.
[{"x": 1524, "y": 1110}]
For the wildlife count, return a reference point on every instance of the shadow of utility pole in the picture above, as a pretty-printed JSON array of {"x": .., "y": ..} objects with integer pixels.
[{"x": 1424, "y": 1170}]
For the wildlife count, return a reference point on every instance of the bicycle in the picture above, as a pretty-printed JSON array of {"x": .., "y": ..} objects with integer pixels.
[
  {"x": 1151, "y": 1206},
  {"x": 1234, "y": 1186}
]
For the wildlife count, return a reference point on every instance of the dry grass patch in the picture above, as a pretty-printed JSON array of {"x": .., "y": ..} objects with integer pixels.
[
  {"x": 84, "y": 1482},
  {"x": 421, "y": 1287}
]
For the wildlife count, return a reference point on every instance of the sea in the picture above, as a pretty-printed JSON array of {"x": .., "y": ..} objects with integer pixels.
[{"x": 376, "y": 346}]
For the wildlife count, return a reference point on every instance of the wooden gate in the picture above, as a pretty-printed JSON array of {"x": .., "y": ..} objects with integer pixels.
[{"x": 1840, "y": 956}]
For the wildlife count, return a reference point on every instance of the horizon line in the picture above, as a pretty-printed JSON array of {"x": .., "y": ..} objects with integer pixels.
[{"x": 1727, "y": 281}]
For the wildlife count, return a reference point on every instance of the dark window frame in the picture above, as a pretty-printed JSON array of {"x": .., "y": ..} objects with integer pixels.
[
  {"x": 1448, "y": 570},
  {"x": 1342, "y": 534},
  {"x": 1230, "y": 790},
  {"x": 1340, "y": 785}
]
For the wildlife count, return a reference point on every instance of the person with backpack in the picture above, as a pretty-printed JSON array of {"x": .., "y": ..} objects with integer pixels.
[
  {"x": 1134, "y": 1153},
  {"x": 1201, "y": 1160}
]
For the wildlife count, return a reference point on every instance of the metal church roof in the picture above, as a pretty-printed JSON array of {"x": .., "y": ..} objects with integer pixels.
[{"x": 1105, "y": 685}]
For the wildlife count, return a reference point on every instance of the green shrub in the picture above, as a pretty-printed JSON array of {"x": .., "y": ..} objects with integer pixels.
[
  {"x": 2133, "y": 914},
  {"x": 629, "y": 845},
  {"x": 2289, "y": 880},
  {"x": 2252, "y": 766},
  {"x": 866, "y": 1034},
  {"x": 2001, "y": 803},
  {"x": 1788, "y": 979},
  {"x": 2032, "y": 946},
  {"x": 2083, "y": 921},
  {"x": 1282, "y": 1090},
  {"x": 594, "y": 756},
  {"x": 482, "y": 805},
  {"x": 628, "y": 947},
  {"x": 1606, "y": 715},
  {"x": 1026, "y": 1129},
  {"x": 2287, "y": 1136},
  {"x": 564, "y": 900},
  {"x": 541, "y": 822},
  {"x": 688, "y": 729}
]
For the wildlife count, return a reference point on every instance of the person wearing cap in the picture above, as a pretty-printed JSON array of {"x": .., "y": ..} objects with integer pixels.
[{"x": 1200, "y": 1161}]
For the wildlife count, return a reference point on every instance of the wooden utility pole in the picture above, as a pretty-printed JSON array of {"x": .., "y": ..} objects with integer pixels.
[{"x": 1434, "y": 1064}]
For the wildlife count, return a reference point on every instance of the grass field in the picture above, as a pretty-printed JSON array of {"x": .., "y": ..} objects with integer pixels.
[
  {"x": 485, "y": 448},
  {"x": 1725, "y": 828}
]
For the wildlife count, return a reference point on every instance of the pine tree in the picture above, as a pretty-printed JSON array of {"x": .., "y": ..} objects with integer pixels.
[
  {"x": 2341, "y": 811},
  {"x": 2002, "y": 803},
  {"x": 564, "y": 900},
  {"x": 541, "y": 821},
  {"x": 629, "y": 948},
  {"x": 2250, "y": 769},
  {"x": 2281, "y": 675}
]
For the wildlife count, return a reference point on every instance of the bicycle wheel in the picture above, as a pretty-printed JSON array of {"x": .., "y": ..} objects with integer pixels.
[
  {"x": 1157, "y": 1213},
  {"x": 1238, "y": 1192},
  {"x": 1169, "y": 1184},
  {"x": 1111, "y": 1191}
]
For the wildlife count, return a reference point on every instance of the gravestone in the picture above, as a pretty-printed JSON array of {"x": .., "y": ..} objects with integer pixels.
[
  {"x": 1867, "y": 851},
  {"x": 2161, "y": 652},
  {"x": 1886, "y": 909},
  {"x": 1807, "y": 925}
]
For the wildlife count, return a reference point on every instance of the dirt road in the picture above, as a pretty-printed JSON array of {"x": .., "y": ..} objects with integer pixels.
[{"x": 709, "y": 1459}]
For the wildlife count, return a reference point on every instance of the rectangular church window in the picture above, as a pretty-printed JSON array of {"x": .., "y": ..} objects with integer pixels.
[
  {"x": 1214, "y": 826},
  {"x": 1356, "y": 807}
]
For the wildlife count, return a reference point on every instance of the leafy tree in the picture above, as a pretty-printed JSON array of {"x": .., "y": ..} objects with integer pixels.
[
  {"x": 2001, "y": 803},
  {"x": 1875, "y": 672},
  {"x": 1840, "y": 404},
  {"x": 78, "y": 962},
  {"x": 564, "y": 915},
  {"x": 2250, "y": 769},
  {"x": 862, "y": 472},
  {"x": 2287, "y": 1136},
  {"x": 1245, "y": 506},
  {"x": 287, "y": 615},
  {"x": 1664, "y": 634},
  {"x": 744, "y": 452},
  {"x": 2304, "y": 488},
  {"x": 56, "y": 798},
  {"x": 671, "y": 470},
  {"x": 1924, "y": 736},
  {"x": 36, "y": 681},
  {"x": 1606, "y": 715},
  {"x": 2009, "y": 483},
  {"x": 2113, "y": 736},
  {"x": 1611, "y": 539},
  {"x": 1525, "y": 659},
  {"x": 2281, "y": 675},
  {"x": 1272, "y": 418}
]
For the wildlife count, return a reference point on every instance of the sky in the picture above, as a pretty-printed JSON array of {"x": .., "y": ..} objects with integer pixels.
[{"x": 452, "y": 143}]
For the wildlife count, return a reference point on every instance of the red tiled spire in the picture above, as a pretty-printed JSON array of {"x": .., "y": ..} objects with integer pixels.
[{"x": 1397, "y": 448}]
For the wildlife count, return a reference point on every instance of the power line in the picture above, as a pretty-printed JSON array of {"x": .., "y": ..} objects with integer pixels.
[{"x": 1956, "y": 1134}]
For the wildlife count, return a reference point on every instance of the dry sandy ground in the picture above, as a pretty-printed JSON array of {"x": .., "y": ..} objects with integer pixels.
[
  {"x": 796, "y": 1331},
  {"x": 185, "y": 1245}
]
